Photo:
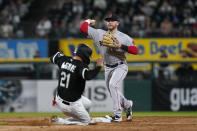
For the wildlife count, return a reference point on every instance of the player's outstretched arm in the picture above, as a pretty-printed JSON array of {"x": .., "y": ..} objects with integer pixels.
[
  {"x": 55, "y": 57},
  {"x": 90, "y": 74},
  {"x": 84, "y": 26}
]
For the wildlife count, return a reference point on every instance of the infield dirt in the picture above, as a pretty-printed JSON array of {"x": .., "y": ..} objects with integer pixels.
[{"x": 138, "y": 124}]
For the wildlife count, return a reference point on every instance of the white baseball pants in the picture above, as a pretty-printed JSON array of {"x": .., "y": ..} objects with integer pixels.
[{"x": 77, "y": 111}]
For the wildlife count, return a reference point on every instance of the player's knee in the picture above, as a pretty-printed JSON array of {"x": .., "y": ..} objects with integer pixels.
[
  {"x": 112, "y": 85},
  {"x": 87, "y": 104}
]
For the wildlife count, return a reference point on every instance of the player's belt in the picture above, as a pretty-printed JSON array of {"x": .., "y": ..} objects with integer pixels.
[
  {"x": 115, "y": 65},
  {"x": 63, "y": 101}
]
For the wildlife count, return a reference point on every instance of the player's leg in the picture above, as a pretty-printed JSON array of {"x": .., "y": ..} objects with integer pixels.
[
  {"x": 65, "y": 110},
  {"x": 80, "y": 113},
  {"x": 108, "y": 74},
  {"x": 124, "y": 102},
  {"x": 127, "y": 105},
  {"x": 76, "y": 110},
  {"x": 61, "y": 106},
  {"x": 117, "y": 77},
  {"x": 69, "y": 121},
  {"x": 86, "y": 102}
]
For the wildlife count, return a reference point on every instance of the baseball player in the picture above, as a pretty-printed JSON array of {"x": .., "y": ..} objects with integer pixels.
[
  {"x": 113, "y": 45},
  {"x": 73, "y": 73}
]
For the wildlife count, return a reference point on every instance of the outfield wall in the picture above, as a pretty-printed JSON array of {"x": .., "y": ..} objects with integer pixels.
[{"x": 37, "y": 95}]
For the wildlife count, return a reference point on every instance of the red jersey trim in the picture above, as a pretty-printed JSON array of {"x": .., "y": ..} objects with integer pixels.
[
  {"x": 132, "y": 50},
  {"x": 84, "y": 27}
]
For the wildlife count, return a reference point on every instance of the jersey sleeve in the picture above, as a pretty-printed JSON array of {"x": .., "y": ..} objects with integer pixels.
[
  {"x": 87, "y": 74},
  {"x": 93, "y": 33},
  {"x": 56, "y": 59},
  {"x": 130, "y": 41},
  {"x": 129, "y": 46},
  {"x": 88, "y": 30}
]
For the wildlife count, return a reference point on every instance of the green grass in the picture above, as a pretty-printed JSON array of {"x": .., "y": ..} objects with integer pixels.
[
  {"x": 192, "y": 113},
  {"x": 3, "y": 123},
  {"x": 140, "y": 114}
]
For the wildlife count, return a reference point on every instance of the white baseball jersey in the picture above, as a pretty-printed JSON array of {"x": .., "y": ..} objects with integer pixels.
[{"x": 111, "y": 55}]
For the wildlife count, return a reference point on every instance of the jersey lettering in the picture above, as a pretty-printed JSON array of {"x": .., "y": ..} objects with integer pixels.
[{"x": 68, "y": 66}]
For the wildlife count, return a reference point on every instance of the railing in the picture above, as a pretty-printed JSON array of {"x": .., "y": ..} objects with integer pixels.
[{"x": 37, "y": 62}]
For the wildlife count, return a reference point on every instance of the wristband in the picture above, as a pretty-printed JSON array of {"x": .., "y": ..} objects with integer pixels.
[{"x": 124, "y": 47}]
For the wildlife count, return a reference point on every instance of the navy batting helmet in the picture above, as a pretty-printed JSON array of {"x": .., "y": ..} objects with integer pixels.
[{"x": 84, "y": 52}]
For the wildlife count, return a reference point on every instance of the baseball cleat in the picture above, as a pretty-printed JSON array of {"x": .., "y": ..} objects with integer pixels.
[
  {"x": 115, "y": 118},
  {"x": 93, "y": 122},
  {"x": 129, "y": 112},
  {"x": 54, "y": 119}
]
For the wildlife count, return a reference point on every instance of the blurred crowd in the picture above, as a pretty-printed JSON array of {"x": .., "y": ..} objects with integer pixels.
[
  {"x": 138, "y": 18},
  {"x": 12, "y": 13}
]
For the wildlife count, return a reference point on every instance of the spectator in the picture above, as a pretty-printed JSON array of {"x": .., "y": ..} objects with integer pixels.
[
  {"x": 37, "y": 54},
  {"x": 166, "y": 28},
  {"x": 77, "y": 7},
  {"x": 12, "y": 11},
  {"x": 153, "y": 31},
  {"x": 165, "y": 7},
  {"x": 74, "y": 25},
  {"x": 100, "y": 4},
  {"x": 147, "y": 8},
  {"x": 22, "y": 8},
  {"x": 6, "y": 29},
  {"x": 43, "y": 27},
  {"x": 16, "y": 19},
  {"x": 189, "y": 20}
]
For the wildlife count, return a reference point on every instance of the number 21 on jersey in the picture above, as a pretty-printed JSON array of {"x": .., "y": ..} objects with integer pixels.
[{"x": 65, "y": 79}]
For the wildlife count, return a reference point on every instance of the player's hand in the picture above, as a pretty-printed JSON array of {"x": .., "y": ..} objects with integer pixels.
[
  {"x": 99, "y": 62},
  {"x": 91, "y": 22}
]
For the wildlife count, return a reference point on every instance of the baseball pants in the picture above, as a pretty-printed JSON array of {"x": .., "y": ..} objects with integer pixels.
[
  {"x": 77, "y": 111},
  {"x": 113, "y": 78}
]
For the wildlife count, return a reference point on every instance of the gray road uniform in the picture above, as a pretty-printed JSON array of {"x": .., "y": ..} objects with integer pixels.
[{"x": 115, "y": 65}]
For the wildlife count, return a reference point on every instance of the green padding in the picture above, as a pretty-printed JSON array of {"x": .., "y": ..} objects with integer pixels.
[{"x": 140, "y": 92}]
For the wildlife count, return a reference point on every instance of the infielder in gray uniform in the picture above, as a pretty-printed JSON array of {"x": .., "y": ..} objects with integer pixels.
[{"x": 115, "y": 64}]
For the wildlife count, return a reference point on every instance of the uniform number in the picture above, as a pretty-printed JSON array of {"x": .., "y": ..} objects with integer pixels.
[{"x": 64, "y": 78}]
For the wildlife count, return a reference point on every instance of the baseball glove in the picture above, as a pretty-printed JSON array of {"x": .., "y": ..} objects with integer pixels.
[{"x": 109, "y": 40}]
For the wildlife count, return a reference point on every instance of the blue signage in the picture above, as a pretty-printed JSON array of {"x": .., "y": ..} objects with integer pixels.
[{"x": 23, "y": 48}]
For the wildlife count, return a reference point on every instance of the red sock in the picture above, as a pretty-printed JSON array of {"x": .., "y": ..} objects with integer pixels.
[{"x": 53, "y": 102}]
